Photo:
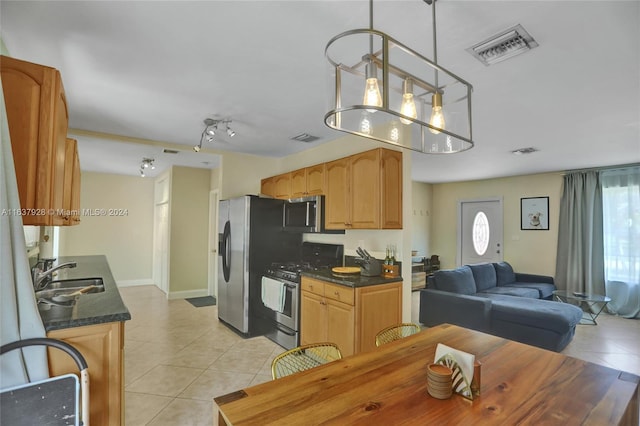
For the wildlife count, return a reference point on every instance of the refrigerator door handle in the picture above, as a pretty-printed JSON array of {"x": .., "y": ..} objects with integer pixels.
[{"x": 225, "y": 251}]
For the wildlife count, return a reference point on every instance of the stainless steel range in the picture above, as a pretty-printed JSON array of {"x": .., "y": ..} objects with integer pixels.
[{"x": 281, "y": 283}]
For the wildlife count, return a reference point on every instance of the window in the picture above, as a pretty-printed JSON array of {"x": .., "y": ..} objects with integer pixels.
[
  {"x": 480, "y": 233},
  {"x": 621, "y": 224}
]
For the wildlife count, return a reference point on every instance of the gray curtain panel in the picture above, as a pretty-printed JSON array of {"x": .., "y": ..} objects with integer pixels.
[
  {"x": 19, "y": 317},
  {"x": 580, "y": 258}
]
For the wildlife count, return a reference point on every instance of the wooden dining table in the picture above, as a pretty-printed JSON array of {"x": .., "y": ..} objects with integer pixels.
[{"x": 520, "y": 384}]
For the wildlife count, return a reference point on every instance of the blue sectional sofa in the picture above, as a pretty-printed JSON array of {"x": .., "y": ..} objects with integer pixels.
[{"x": 492, "y": 298}]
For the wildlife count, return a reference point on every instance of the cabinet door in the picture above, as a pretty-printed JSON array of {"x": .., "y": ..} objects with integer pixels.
[
  {"x": 283, "y": 185},
  {"x": 268, "y": 187},
  {"x": 71, "y": 188},
  {"x": 378, "y": 307},
  {"x": 341, "y": 326},
  {"x": 365, "y": 190},
  {"x": 391, "y": 167},
  {"x": 37, "y": 120},
  {"x": 102, "y": 346},
  {"x": 315, "y": 179},
  {"x": 298, "y": 183},
  {"x": 313, "y": 318},
  {"x": 337, "y": 194}
]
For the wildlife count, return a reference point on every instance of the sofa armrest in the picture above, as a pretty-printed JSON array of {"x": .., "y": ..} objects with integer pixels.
[
  {"x": 532, "y": 278},
  {"x": 439, "y": 307}
]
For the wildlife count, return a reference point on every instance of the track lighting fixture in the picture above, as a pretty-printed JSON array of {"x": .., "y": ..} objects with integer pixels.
[
  {"x": 210, "y": 129},
  {"x": 146, "y": 164}
]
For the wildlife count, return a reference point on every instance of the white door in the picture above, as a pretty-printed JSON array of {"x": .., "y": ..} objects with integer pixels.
[
  {"x": 213, "y": 243},
  {"x": 161, "y": 247},
  {"x": 480, "y": 231}
]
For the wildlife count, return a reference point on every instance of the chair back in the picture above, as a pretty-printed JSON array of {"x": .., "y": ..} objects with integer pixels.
[
  {"x": 396, "y": 332},
  {"x": 304, "y": 358}
]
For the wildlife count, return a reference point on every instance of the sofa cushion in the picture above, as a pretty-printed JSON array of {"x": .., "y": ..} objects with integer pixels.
[
  {"x": 529, "y": 293},
  {"x": 459, "y": 280},
  {"x": 484, "y": 275},
  {"x": 504, "y": 273},
  {"x": 546, "y": 314},
  {"x": 545, "y": 290}
]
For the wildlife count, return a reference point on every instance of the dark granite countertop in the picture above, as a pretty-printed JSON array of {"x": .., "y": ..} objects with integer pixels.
[
  {"x": 354, "y": 280},
  {"x": 91, "y": 308}
]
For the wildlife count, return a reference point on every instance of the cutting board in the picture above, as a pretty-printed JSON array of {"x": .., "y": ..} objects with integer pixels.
[{"x": 346, "y": 269}]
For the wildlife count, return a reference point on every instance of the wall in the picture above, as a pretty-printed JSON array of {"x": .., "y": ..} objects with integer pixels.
[
  {"x": 240, "y": 174},
  {"x": 126, "y": 240},
  {"x": 526, "y": 251},
  {"x": 421, "y": 194},
  {"x": 189, "y": 231}
]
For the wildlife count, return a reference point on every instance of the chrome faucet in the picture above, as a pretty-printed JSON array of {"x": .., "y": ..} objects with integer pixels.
[{"x": 41, "y": 278}]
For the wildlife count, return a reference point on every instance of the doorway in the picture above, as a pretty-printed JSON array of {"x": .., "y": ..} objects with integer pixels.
[
  {"x": 214, "y": 197},
  {"x": 480, "y": 231}
]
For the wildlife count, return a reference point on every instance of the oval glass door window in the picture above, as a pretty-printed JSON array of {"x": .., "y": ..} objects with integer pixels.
[{"x": 480, "y": 233}]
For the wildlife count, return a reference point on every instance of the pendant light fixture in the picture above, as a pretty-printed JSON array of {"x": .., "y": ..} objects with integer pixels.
[{"x": 418, "y": 104}]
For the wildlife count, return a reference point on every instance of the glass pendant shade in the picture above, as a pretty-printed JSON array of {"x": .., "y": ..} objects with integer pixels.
[{"x": 409, "y": 93}]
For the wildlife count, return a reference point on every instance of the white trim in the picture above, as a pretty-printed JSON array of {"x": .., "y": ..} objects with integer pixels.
[
  {"x": 212, "y": 254},
  {"x": 187, "y": 294},
  {"x": 135, "y": 283}
]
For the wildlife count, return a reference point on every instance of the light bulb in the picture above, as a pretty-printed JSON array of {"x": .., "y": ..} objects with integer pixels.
[
  {"x": 372, "y": 91},
  {"x": 141, "y": 173},
  {"x": 196, "y": 148},
  {"x": 153, "y": 167},
  {"x": 394, "y": 133},
  {"x": 211, "y": 131},
  {"x": 230, "y": 132},
  {"x": 365, "y": 125},
  {"x": 437, "y": 117},
  {"x": 408, "y": 106}
]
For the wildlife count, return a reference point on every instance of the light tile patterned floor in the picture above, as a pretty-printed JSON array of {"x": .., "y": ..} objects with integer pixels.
[{"x": 178, "y": 357}]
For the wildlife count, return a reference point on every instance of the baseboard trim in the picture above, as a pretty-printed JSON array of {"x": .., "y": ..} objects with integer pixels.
[
  {"x": 134, "y": 283},
  {"x": 187, "y": 294}
]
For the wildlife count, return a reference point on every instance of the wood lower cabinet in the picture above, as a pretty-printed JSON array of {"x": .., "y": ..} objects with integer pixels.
[
  {"x": 37, "y": 119},
  {"x": 102, "y": 346},
  {"x": 348, "y": 317}
]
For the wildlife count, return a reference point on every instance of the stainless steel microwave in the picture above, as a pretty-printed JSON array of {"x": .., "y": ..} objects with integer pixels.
[{"x": 305, "y": 215}]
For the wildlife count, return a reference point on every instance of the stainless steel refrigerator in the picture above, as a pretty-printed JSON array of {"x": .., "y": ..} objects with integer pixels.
[{"x": 250, "y": 238}]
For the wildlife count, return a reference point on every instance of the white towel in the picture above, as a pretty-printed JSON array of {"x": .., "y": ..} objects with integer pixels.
[{"x": 273, "y": 294}]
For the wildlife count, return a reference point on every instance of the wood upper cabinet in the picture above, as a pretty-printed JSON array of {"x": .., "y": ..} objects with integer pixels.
[
  {"x": 102, "y": 346},
  {"x": 348, "y": 317},
  {"x": 364, "y": 191},
  {"x": 282, "y": 185},
  {"x": 37, "y": 118},
  {"x": 308, "y": 181},
  {"x": 72, "y": 183},
  {"x": 268, "y": 186}
]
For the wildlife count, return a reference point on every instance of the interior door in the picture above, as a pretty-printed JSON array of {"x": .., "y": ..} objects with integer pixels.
[{"x": 480, "y": 231}]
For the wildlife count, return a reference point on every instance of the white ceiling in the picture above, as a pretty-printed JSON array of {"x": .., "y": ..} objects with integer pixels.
[{"x": 154, "y": 70}]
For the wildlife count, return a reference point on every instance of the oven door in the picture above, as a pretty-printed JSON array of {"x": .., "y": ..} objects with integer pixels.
[{"x": 289, "y": 314}]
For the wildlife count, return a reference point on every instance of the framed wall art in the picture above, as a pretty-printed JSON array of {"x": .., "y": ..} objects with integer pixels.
[{"x": 534, "y": 213}]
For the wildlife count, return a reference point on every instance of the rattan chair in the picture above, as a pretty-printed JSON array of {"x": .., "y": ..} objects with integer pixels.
[
  {"x": 304, "y": 358},
  {"x": 396, "y": 332}
]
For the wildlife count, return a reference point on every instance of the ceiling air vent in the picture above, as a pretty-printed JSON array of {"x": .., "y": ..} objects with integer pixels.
[
  {"x": 522, "y": 151},
  {"x": 169, "y": 151},
  {"x": 305, "y": 137},
  {"x": 507, "y": 44}
]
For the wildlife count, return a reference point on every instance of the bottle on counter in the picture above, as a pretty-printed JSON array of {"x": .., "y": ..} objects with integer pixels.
[{"x": 387, "y": 259}]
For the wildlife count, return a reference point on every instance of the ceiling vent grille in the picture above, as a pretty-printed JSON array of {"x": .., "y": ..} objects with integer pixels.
[
  {"x": 305, "y": 137},
  {"x": 169, "y": 151},
  {"x": 507, "y": 44},
  {"x": 522, "y": 151}
]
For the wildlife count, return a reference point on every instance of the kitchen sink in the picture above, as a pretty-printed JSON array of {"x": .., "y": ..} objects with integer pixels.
[{"x": 62, "y": 291}]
